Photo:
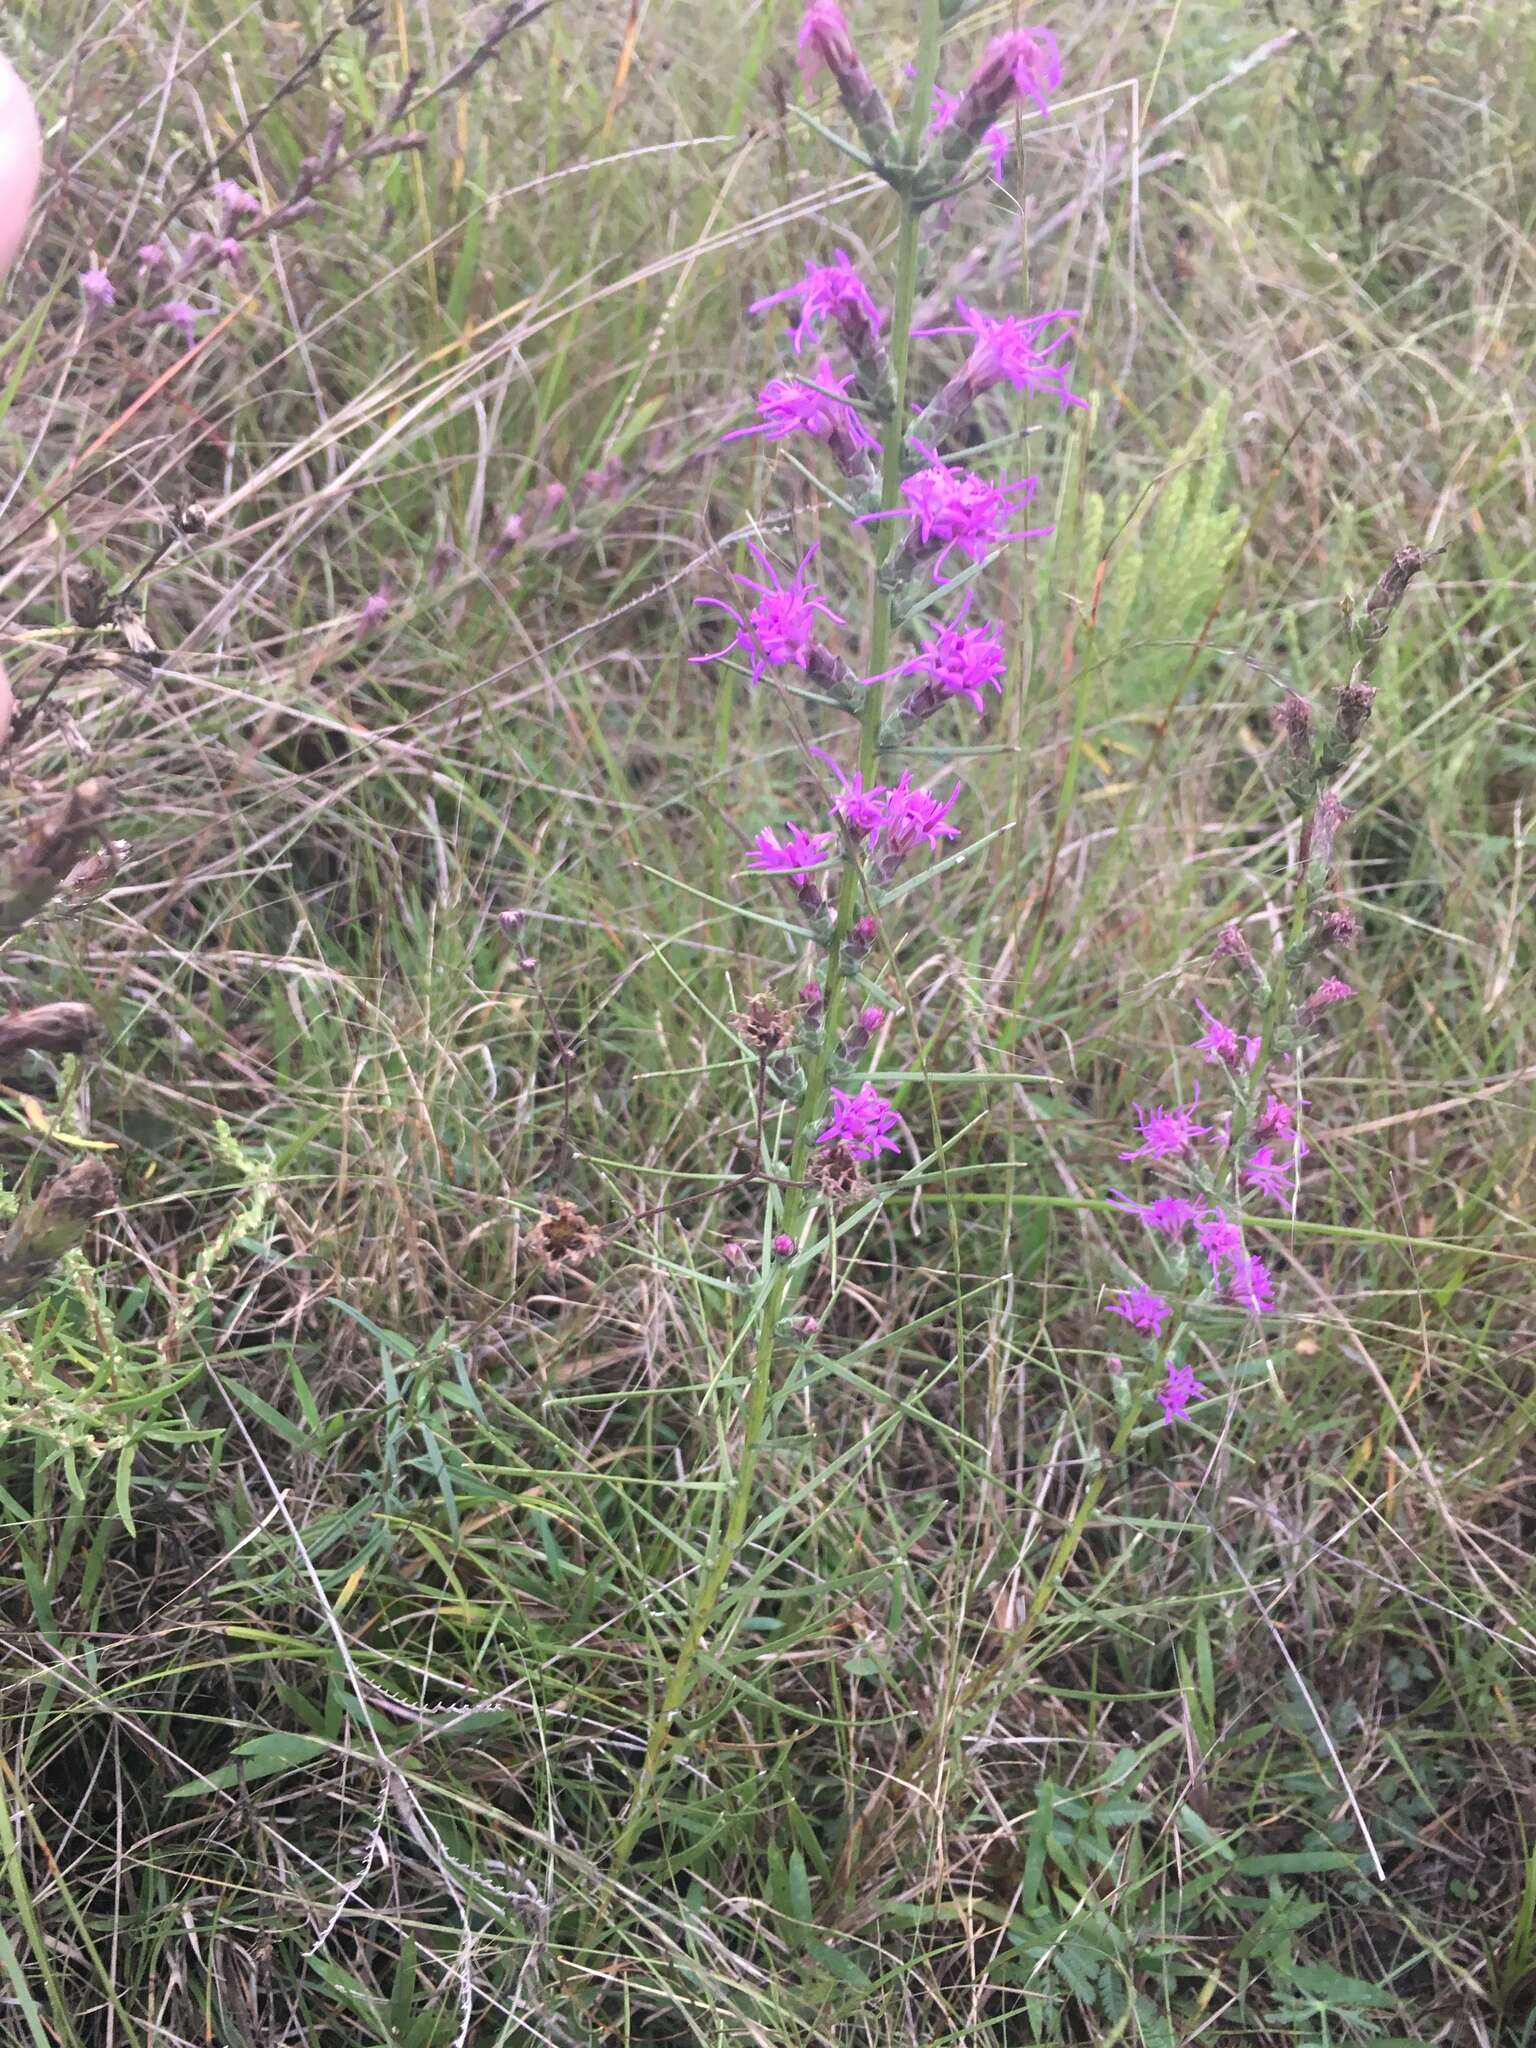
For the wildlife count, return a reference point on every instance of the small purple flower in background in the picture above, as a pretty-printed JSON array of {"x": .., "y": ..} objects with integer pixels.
[
  {"x": 230, "y": 252},
  {"x": 184, "y": 318},
  {"x": 781, "y": 626},
  {"x": 1177, "y": 1391},
  {"x": 235, "y": 203},
  {"x": 1011, "y": 350},
  {"x": 151, "y": 258},
  {"x": 96, "y": 290},
  {"x": 830, "y": 291},
  {"x": 796, "y": 855},
  {"x": 1166, "y": 1133},
  {"x": 1269, "y": 1176},
  {"x": 864, "y": 1123},
  {"x": 1323, "y": 997},
  {"x": 957, "y": 661},
  {"x": 1142, "y": 1309},
  {"x": 785, "y": 1245},
  {"x": 1250, "y": 1286},
  {"x": 1024, "y": 63},
  {"x": 377, "y": 606},
  {"x": 915, "y": 817},
  {"x": 1167, "y": 1216},
  {"x": 955, "y": 508},
  {"x": 1221, "y": 1044}
]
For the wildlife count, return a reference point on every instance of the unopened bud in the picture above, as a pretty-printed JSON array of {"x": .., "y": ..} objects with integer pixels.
[
  {"x": 1293, "y": 720},
  {"x": 1352, "y": 712},
  {"x": 784, "y": 1245},
  {"x": 1389, "y": 591},
  {"x": 737, "y": 1257},
  {"x": 813, "y": 999},
  {"x": 1328, "y": 820}
]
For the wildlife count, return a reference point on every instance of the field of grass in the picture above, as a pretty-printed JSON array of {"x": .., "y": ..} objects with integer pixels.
[{"x": 349, "y": 1549}]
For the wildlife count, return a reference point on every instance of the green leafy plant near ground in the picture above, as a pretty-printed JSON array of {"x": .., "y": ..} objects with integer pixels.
[{"x": 348, "y": 1547}]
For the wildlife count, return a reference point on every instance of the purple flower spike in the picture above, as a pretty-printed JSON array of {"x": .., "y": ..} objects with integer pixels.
[
  {"x": 1269, "y": 1176},
  {"x": 1142, "y": 1309},
  {"x": 1022, "y": 64},
  {"x": 1166, "y": 1133},
  {"x": 1011, "y": 350},
  {"x": 796, "y": 855},
  {"x": 829, "y": 291},
  {"x": 1177, "y": 1391},
  {"x": 96, "y": 290},
  {"x": 864, "y": 1123},
  {"x": 1222, "y": 1045},
  {"x": 780, "y": 628},
  {"x": 954, "y": 508},
  {"x": 957, "y": 661}
]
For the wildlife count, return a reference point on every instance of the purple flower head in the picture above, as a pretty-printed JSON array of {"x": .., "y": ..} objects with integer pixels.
[
  {"x": 1142, "y": 1309},
  {"x": 795, "y": 855},
  {"x": 1167, "y": 1216},
  {"x": 828, "y": 291},
  {"x": 955, "y": 508},
  {"x": 915, "y": 817},
  {"x": 1177, "y": 1391},
  {"x": 234, "y": 201},
  {"x": 1269, "y": 1176},
  {"x": 790, "y": 405},
  {"x": 1220, "y": 1240},
  {"x": 871, "y": 1017},
  {"x": 376, "y": 606},
  {"x": 1011, "y": 350},
  {"x": 1325, "y": 995},
  {"x": 861, "y": 810},
  {"x": 230, "y": 252},
  {"x": 781, "y": 626},
  {"x": 151, "y": 259},
  {"x": 1220, "y": 1043},
  {"x": 824, "y": 41},
  {"x": 1250, "y": 1286},
  {"x": 785, "y": 1245},
  {"x": 1276, "y": 1120},
  {"x": 957, "y": 661},
  {"x": 863, "y": 1122},
  {"x": 1024, "y": 63},
  {"x": 1166, "y": 1133},
  {"x": 184, "y": 318},
  {"x": 96, "y": 290}
]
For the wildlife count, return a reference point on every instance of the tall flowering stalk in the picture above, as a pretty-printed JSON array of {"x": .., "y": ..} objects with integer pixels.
[
  {"x": 927, "y": 521},
  {"x": 1210, "y": 1176}
]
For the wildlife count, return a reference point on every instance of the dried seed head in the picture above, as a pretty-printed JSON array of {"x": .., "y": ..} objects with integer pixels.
[
  {"x": 1231, "y": 945},
  {"x": 765, "y": 1025},
  {"x": 563, "y": 1237},
  {"x": 1328, "y": 821},
  {"x": 1390, "y": 589},
  {"x": 1338, "y": 928},
  {"x": 51, "y": 1027},
  {"x": 1352, "y": 711},
  {"x": 836, "y": 1174},
  {"x": 1293, "y": 720}
]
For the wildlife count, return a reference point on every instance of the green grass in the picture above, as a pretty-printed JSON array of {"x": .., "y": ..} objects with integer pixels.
[{"x": 349, "y": 1552}]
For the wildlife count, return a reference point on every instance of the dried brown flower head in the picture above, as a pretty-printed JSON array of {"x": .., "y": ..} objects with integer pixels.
[
  {"x": 563, "y": 1237},
  {"x": 765, "y": 1025},
  {"x": 835, "y": 1173}
]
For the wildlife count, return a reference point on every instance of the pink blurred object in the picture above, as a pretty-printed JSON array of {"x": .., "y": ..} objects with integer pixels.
[{"x": 21, "y": 160}]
